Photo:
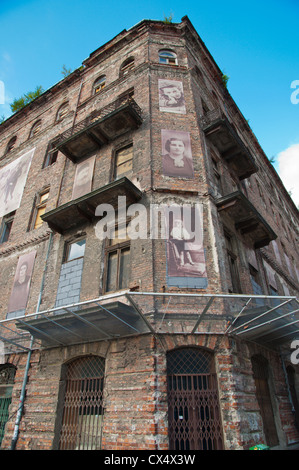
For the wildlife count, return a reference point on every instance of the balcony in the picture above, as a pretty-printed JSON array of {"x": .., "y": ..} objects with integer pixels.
[
  {"x": 221, "y": 133},
  {"x": 79, "y": 211},
  {"x": 247, "y": 219},
  {"x": 99, "y": 128}
]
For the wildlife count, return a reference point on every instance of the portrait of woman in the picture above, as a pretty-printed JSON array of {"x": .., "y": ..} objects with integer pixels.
[
  {"x": 171, "y": 96},
  {"x": 21, "y": 286},
  {"x": 83, "y": 178},
  {"x": 176, "y": 154}
]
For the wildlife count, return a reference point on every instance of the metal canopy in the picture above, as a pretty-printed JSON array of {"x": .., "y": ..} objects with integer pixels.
[{"x": 272, "y": 321}]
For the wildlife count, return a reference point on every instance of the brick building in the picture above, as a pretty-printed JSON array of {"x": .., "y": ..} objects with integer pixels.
[{"x": 121, "y": 329}]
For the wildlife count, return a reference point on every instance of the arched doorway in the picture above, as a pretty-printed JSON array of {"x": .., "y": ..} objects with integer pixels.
[
  {"x": 261, "y": 378},
  {"x": 7, "y": 376},
  {"x": 82, "y": 411},
  {"x": 194, "y": 421}
]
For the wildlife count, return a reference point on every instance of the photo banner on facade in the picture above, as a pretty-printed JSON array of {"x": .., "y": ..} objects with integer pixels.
[
  {"x": 171, "y": 97},
  {"x": 83, "y": 178},
  {"x": 176, "y": 154},
  {"x": 12, "y": 182},
  {"x": 20, "y": 291},
  {"x": 186, "y": 265}
]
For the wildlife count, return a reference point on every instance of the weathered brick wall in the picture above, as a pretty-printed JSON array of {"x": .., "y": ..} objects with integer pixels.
[{"x": 135, "y": 385}]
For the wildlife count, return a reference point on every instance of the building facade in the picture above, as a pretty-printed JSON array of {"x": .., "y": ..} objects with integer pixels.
[{"x": 149, "y": 260}]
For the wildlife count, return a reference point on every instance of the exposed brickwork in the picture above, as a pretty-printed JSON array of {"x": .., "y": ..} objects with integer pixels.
[{"x": 135, "y": 400}]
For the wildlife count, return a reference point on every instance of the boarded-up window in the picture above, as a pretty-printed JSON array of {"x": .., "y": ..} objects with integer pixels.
[{"x": 124, "y": 162}]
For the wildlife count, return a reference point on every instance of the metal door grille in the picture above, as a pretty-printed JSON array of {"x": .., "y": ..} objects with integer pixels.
[
  {"x": 83, "y": 405},
  {"x": 261, "y": 376},
  {"x": 7, "y": 375},
  {"x": 193, "y": 404}
]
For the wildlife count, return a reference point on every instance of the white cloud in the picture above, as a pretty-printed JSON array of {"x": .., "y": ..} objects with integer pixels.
[{"x": 288, "y": 170}]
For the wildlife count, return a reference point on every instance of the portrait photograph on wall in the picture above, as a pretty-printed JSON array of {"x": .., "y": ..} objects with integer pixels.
[
  {"x": 20, "y": 291},
  {"x": 83, "y": 178},
  {"x": 176, "y": 154},
  {"x": 171, "y": 97},
  {"x": 12, "y": 182},
  {"x": 186, "y": 266}
]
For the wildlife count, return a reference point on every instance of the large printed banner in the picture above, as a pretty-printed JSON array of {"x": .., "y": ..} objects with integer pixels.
[
  {"x": 83, "y": 178},
  {"x": 12, "y": 182},
  {"x": 171, "y": 97},
  {"x": 176, "y": 154},
  {"x": 21, "y": 286},
  {"x": 186, "y": 265}
]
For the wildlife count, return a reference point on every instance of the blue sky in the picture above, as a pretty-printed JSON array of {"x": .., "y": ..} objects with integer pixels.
[{"x": 255, "y": 43}]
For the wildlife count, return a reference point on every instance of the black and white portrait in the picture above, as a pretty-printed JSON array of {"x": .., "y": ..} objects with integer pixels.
[
  {"x": 12, "y": 182},
  {"x": 176, "y": 154},
  {"x": 20, "y": 291},
  {"x": 185, "y": 252},
  {"x": 171, "y": 97},
  {"x": 83, "y": 178}
]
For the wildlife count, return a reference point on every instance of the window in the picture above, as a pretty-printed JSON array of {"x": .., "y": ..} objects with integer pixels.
[
  {"x": 11, "y": 144},
  {"x": 75, "y": 250},
  {"x": 167, "y": 57},
  {"x": 123, "y": 162},
  {"x": 233, "y": 265},
  {"x": 99, "y": 84},
  {"x": 51, "y": 155},
  {"x": 6, "y": 227},
  {"x": 118, "y": 260},
  {"x": 35, "y": 129},
  {"x": 40, "y": 208},
  {"x": 62, "y": 111},
  {"x": 127, "y": 66}
]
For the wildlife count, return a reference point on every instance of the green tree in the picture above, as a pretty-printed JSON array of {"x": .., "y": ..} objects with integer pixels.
[{"x": 25, "y": 99}]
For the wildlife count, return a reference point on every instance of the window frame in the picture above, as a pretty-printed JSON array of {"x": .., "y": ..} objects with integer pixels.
[
  {"x": 168, "y": 56},
  {"x": 6, "y": 222},
  {"x": 11, "y": 144},
  {"x": 127, "y": 66},
  {"x": 117, "y": 152},
  {"x": 38, "y": 205},
  {"x": 67, "y": 249},
  {"x": 117, "y": 248},
  {"x": 51, "y": 155},
  {"x": 99, "y": 82},
  {"x": 35, "y": 129},
  {"x": 62, "y": 111}
]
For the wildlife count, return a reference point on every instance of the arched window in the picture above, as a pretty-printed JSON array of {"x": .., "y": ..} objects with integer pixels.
[
  {"x": 194, "y": 421},
  {"x": 167, "y": 57},
  {"x": 127, "y": 65},
  {"x": 82, "y": 401},
  {"x": 35, "y": 129},
  {"x": 62, "y": 111},
  {"x": 7, "y": 376},
  {"x": 11, "y": 144},
  {"x": 99, "y": 84}
]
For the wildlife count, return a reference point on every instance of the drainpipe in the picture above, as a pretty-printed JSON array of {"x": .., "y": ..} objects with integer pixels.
[{"x": 25, "y": 379}]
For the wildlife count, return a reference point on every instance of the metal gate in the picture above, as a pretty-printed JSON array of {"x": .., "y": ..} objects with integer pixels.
[
  {"x": 260, "y": 374},
  {"x": 82, "y": 417},
  {"x": 7, "y": 375},
  {"x": 194, "y": 421}
]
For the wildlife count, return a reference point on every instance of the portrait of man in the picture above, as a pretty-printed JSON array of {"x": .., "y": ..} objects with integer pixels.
[
  {"x": 176, "y": 154},
  {"x": 171, "y": 97},
  {"x": 20, "y": 291},
  {"x": 185, "y": 253},
  {"x": 83, "y": 178},
  {"x": 12, "y": 182}
]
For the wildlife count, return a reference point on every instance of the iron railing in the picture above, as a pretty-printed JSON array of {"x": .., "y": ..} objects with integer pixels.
[{"x": 97, "y": 115}]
